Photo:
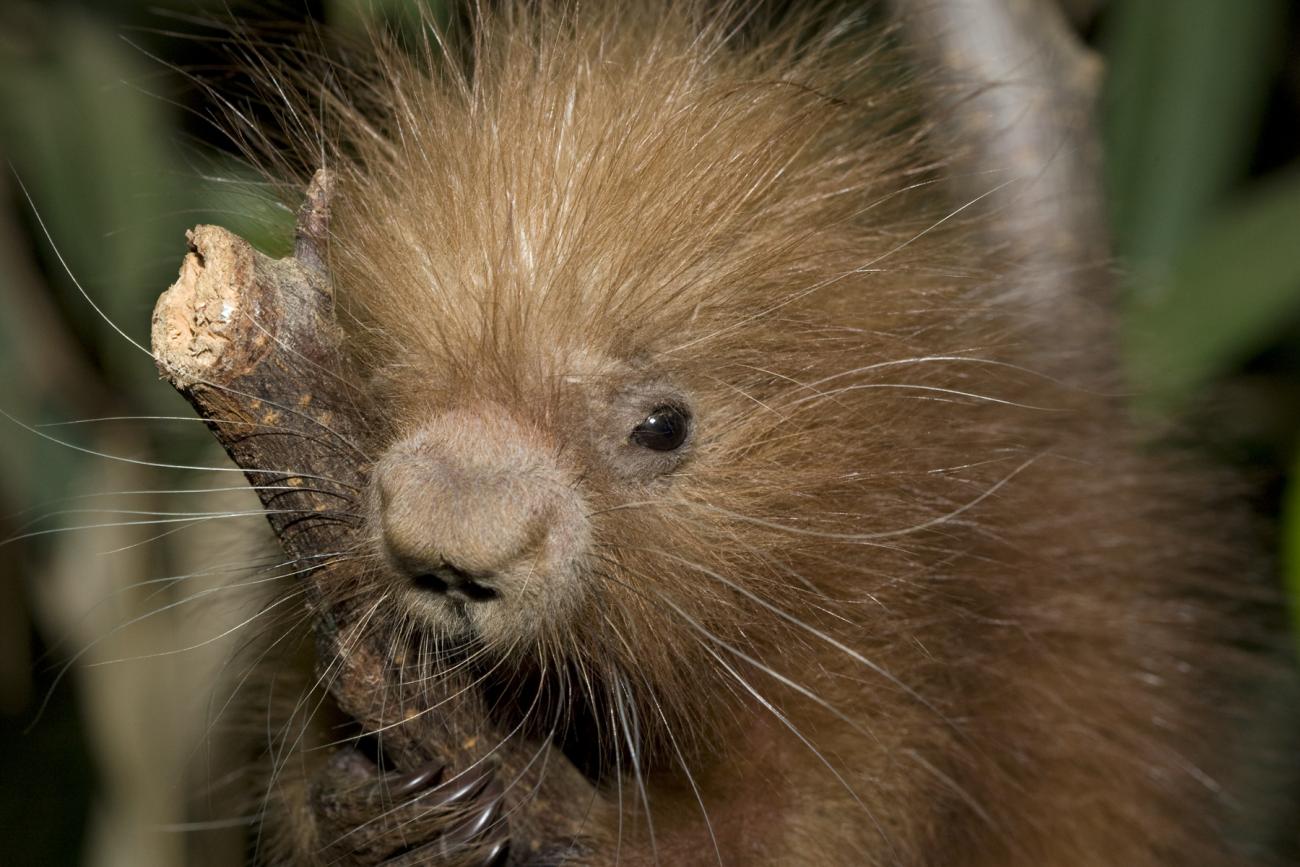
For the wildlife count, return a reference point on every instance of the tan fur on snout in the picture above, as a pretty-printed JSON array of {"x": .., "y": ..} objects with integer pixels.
[{"x": 474, "y": 490}]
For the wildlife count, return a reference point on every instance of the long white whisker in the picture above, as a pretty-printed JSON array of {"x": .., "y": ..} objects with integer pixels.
[
  {"x": 325, "y": 679},
  {"x": 199, "y": 519},
  {"x": 790, "y": 618},
  {"x": 672, "y": 740},
  {"x": 151, "y": 492},
  {"x": 219, "y": 635},
  {"x": 202, "y": 594},
  {"x": 165, "y": 466},
  {"x": 31, "y": 203},
  {"x": 927, "y": 359},
  {"x": 768, "y": 670},
  {"x": 631, "y": 734},
  {"x": 885, "y": 534},
  {"x": 776, "y": 712},
  {"x": 931, "y": 389}
]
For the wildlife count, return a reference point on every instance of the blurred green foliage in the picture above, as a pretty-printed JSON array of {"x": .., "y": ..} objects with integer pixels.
[
  {"x": 1201, "y": 138},
  {"x": 1212, "y": 275},
  {"x": 1184, "y": 100},
  {"x": 1209, "y": 238}
]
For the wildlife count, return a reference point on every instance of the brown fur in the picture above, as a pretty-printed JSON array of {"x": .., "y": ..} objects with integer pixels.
[{"x": 903, "y": 598}]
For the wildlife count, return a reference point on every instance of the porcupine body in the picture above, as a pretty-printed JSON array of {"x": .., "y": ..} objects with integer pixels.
[{"x": 713, "y": 446}]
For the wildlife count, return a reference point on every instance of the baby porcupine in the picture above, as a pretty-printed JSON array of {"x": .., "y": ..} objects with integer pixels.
[{"x": 719, "y": 457}]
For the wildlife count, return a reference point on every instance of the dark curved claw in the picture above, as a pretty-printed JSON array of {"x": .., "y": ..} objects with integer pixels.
[
  {"x": 475, "y": 820},
  {"x": 498, "y": 855},
  {"x": 484, "y": 819},
  {"x": 410, "y": 782},
  {"x": 462, "y": 787},
  {"x": 425, "y": 815}
]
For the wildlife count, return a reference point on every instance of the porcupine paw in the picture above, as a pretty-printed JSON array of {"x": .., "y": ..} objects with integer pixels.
[{"x": 431, "y": 815}]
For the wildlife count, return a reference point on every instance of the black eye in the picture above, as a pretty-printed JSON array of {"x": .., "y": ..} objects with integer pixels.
[{"x": 663, "y": 430}]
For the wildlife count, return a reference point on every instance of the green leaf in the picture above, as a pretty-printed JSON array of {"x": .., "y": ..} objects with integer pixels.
[
  {"x": 1186, "y": 89},
  {"x": 235, "y": 198},
  {"x": 1235, "y": 288}
]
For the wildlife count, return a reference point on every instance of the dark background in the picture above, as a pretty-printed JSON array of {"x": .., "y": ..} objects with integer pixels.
[{"x": 1201, "y": 116}]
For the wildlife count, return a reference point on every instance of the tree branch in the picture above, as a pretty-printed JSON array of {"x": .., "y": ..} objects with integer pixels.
[
  {"x": 1016, "y": 94},
  {"x": 252, "y": 343}
]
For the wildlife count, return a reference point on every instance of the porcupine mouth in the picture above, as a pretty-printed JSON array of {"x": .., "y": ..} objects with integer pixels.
[
  {"x": 578, "y": 736},
  {"x": 515, "y": 690}
]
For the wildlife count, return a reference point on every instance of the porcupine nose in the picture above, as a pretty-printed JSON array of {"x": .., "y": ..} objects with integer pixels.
[{"x": 466, "y": 504}]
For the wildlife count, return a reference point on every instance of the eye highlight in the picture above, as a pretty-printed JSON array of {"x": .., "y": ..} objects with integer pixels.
[{"x": 663, "y": 430}]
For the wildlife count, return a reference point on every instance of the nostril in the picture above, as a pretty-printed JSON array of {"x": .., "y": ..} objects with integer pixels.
[
  {"x": 431, "y": 582},
  {"x": 476, "y": 591},
  {"x": 450, "y": 579}
]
